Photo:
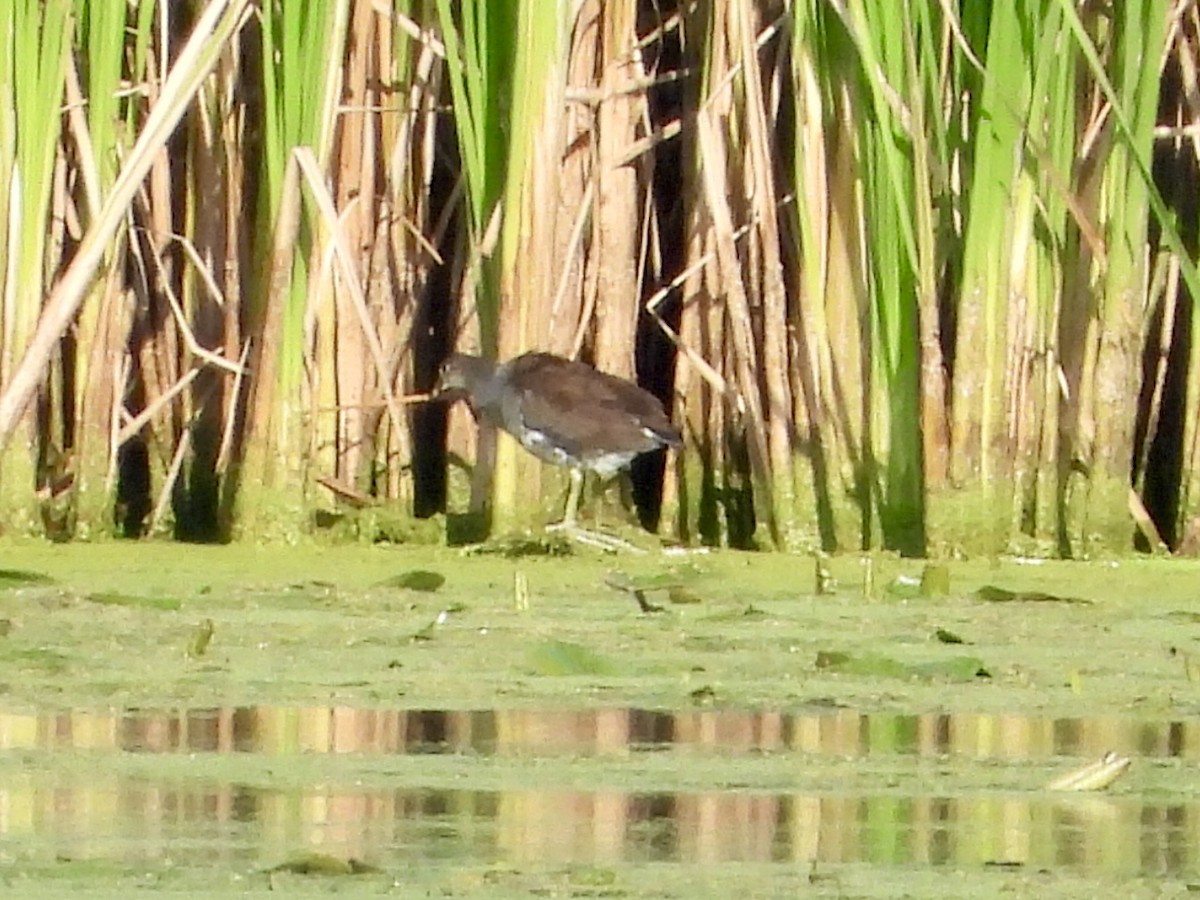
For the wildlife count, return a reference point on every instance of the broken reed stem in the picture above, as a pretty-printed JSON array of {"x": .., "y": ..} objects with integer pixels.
[
  {"x": 213, "y": 357},
  {"x": 168, "y": 488},
  {"x": 134, "y": 425},
  {"x": 231, "y": 418}
]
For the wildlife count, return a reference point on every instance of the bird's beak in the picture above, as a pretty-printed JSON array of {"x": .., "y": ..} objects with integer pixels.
[
  {"x": 439, "y": 387},
  {"x": 443, "y": 394}
]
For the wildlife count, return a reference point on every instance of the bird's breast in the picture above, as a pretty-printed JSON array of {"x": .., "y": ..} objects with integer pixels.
[{"x": 540, "y": 445}]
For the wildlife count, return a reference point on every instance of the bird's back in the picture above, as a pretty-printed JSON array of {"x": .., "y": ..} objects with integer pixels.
[{"x": 595, "y": 419}]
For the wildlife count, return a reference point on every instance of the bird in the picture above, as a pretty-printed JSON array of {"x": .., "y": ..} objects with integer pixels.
[{"x": 564, "y": 412}]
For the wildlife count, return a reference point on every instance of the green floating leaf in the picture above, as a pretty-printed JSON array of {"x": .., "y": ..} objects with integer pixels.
[
  {"x": 426, "y": 633},
  {"x": 592, "y": 876},
  {"x": 947, "y": 637},
  {"x": 49, "y": 661},
  {"x": 680, "y": 596},
  {"x": 903, "y": 587},
  {"x": 201, "y": 638},
  {"x": 674, "y": 581},
  {"x": 114, "y": 598},
  {"x": 421, "y": 635},
  {"x": 673, "y": 578},
  {"x": 416, "y": 580},
  {"x": 1184, "y": 615},
  {"x": 993, "y": 594},
  {"x": 1191, "y": 668},
  {"x": 868, "y": 664},
  {"x": 703, "y": 696},
  {"x": 566, "y": 658},
  {"x": 15, "y": 578},
  {"x": 959, "y": 668},
  {"x": 323, "y": 864},
  {"x": 935, "y": 580}
]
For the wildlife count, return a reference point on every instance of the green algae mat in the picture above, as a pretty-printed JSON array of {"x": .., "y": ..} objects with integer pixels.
[{"x": 435, "y": 722}]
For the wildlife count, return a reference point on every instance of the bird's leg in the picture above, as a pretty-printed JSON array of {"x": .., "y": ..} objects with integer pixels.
[
  {"x": 570, "y": 519},
  {"x": 571, "y": 514},
  {"x": 570, "y": 522}
]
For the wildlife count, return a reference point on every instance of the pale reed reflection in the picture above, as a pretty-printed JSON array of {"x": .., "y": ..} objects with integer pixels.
[
  {"x": 602, "y": 732},
  {"x": 132, "y": 820},
  {"x": 83, "y": 808}
]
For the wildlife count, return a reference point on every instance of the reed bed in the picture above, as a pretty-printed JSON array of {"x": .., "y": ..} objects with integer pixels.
[{"x": 913, "y": 276}]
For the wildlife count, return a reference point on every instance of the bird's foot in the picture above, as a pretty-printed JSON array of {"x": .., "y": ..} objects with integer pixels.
[{"x": 608, "y": 542}]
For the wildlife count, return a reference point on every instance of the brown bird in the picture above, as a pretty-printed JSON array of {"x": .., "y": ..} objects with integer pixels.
[{"x": 563, "y": 412}]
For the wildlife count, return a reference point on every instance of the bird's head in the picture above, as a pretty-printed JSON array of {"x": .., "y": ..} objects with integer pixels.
[{"x": 462, "y": 376}]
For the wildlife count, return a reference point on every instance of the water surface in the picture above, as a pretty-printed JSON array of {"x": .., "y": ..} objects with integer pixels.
[{"x": 255, "y": 786}]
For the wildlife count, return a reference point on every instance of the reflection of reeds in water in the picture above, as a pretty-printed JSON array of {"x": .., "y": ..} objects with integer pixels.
[
  {"x": 598, "y": 732},
  {"x": 111, "y": 816},
  {"x": 903, "y": 816}
]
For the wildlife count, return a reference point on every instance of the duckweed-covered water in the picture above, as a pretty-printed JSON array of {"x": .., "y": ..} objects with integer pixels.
[{"x": 426, "y": 722}]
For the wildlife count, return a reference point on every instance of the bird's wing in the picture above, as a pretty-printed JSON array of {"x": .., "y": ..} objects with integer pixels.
[
  {"x": 581, "y": 427},
  {"x": 583, "y": 409}
]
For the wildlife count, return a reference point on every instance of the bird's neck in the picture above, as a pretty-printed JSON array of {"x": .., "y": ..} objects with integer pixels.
[{"x": 487, "y": 395}]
